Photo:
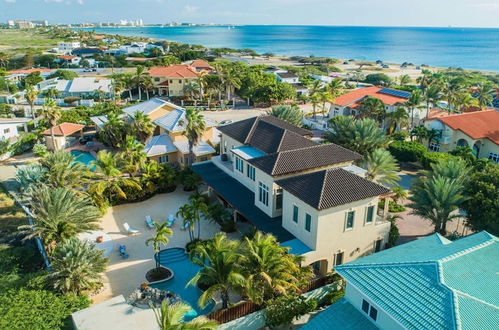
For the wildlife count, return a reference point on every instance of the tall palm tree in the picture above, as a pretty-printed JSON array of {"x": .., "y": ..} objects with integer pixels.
[
  {"x": 450, "y": 90},
  {"x": 432, "y": 135},
  {"x": 436, "y": 199},
  {"x": 147, "y": 84},
  {"x": 419, "y": 132},
  {"x": 133, "y": 155},
  {"x": 218, "y": 260},
  {"x": 111, "y": 180},
  {"x": 118, "y": 89},
  {"x": 142, "y": 126},
  {"x": 170, "y": 317},
  {"x": 229, "y": 76},
  {"x": 194, "y": 129},
  {"x": 128, "y": 83},
  {"x": 373, "y": 108},
  {"x": 60, "y": 213},
  {"x": 432, "y": 95},
  {"x": 76, "y": 267},
  {"x": 381, "y": 167},
  {"x": 187, "y": 213},
  {"x": 192, "y": 89},
  {"x": 160, "y": 238},
  {"x": 138, "y": 79},
  {"x": 315, "y": 100},
  {"x": 324, "y": 97},
  {"x": 335, "y": 88},
  {"x": 62, "y": 170},
  {"x": 31, "y": 94},
  {"x": 398, "y": 119},
  {"x": 413, "y": 103},
  {"x": 405, "y": 79},
  {"x": 484, "y": 94},
  {"x": 52, "y": 114},
  {"x": 465, "y": 100},
  {"x": 200, "y": 208},
  {"x": 201, "y": 80},
  {"x": 269, "y": 269},
  {"x": 114, "y": 130}
]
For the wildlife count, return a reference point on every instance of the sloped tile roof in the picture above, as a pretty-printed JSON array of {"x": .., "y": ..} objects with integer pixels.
[
  {"x": 477, "y": 125},
  {"x": 433, "y": 282},
  {"x": 146, "y": 107},
  {"x": 173, "y": 71},
  {"x": 175, "y": 121},
  {"x": 295, "y": 160},
  {"x": 330, "y": 188},
  {"x": 64, "y": 129},
  {"x": 360, "y": 93}
]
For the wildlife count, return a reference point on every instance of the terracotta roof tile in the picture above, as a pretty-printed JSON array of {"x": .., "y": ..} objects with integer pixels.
[
  {"x": 477, "y": 125},
  {"x": 173, "y": 71},
  {"x": 358, "y": 94},
  {"x": 64, "y": 129}
]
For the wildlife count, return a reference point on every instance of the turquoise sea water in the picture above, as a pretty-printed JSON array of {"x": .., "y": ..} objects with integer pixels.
[{"x": 469, "y": 48}]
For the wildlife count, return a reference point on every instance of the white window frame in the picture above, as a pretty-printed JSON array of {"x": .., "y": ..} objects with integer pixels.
[
  {"x": 162, "y": 158},
  {"x": 239, "y": 165},
  {"x": 493, "y": 157},
  {"x": 434, "y": 147},
  {"x": 346, "y": 220},
  {"x": 250, "y": 172},
  {"x": 263, "y": 193},
  {"x": 297, "y": 213},
  {"x": 310, "y": 224},
  {"x": 367, "y": 214}
]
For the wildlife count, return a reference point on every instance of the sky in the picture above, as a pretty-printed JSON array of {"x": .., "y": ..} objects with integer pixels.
[{"x": 458, "y": 13}]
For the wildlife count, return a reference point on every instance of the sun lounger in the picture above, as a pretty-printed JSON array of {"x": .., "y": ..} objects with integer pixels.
[
  {"x": 171, "y": 221},
  {"x": 129, "y": 229},
  {"x": 149, "y": 221},
  {"x": 185, "y": 225}
]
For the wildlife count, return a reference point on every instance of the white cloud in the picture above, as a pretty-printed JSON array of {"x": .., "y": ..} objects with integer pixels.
[
  {"x": 10, "y": 1},
  {"x": 191, "y": 9}
]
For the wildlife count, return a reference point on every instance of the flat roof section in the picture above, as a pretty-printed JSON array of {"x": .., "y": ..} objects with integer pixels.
[{"x": 247, "y": 152}]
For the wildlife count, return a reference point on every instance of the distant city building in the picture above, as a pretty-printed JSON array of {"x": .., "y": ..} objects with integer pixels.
[
  {"x": 41, "y": 23},
  {"x": 11, "y": 23},
  {"x": 24, "y": 24}
]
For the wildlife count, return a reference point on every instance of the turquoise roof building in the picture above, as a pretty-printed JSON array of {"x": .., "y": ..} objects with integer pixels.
[{"x": 430, "y": 283}]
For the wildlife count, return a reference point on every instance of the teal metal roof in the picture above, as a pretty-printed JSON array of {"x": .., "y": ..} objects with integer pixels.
[
  {"x": 340, "y": 315},
  {"x": 433, "y": 282}
]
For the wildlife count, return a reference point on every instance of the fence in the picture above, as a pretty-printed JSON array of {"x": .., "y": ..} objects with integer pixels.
[{"x": 247, "y": 307}]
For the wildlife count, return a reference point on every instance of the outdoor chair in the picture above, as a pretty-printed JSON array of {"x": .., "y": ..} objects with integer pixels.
[
  {"x": 185, "y": 226},
  {"x": 171, "y": 221},
  {"x": 149, "y": 222},
  {"x": 130, "y": 230}
]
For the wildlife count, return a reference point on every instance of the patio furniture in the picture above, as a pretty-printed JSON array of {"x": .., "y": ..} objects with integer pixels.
[
  {"x": 130, "y": 230},
  {"x": 171, "y": 221},
  {"x": 149, "y": 222},
  {"x": 122, "y": 251},
  {"x": 185, "y": 225}
]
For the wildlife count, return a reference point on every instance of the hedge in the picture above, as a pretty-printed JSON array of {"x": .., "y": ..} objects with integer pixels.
[
  {"x": 407, "y": 151},
  {"x": 431, "y": 157}
]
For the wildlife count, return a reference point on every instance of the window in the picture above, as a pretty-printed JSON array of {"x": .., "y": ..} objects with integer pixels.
[
  {"x": 338, "y": 259},
  {"x": 6, "y": 131},
  {"x": 171, "y": 81},
  {"x": 180, "y": 81},
  {"x": 377, "y": 245},
  {"x": 373, "y": 313},
  {"x": 365, "y": 306},
  {"x": 263, "y": 194},
  {"x": 250, "y": 172},
  {"x": 278, "y": 199},
  {"x": 157, "y": 79},
  {"x": 239, "y": 164},
  {"x": 434, "y": 147},
  {"x": 225, "y": 146},
  {"x": 308, "y": 221},
  {"x": 350, "y": 218},
  {"x": 163, "y": 159},
  {"x": 494, "y": 157},
  {"x": 295, "y": 213},
  {"x": 370, "y": 214},
  {"x": 203, "y": 159}
]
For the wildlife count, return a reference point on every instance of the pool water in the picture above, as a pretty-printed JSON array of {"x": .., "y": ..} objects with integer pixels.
[
  {"x": 84, "y": 158},
  {"x": 183, "y": 271}
]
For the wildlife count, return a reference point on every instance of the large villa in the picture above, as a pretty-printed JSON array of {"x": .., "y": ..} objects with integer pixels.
[{"x": 310, "y": 196}]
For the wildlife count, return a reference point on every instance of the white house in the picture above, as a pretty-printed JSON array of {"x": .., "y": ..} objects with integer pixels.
[
  {"x": 10, "y": 128},
  {"x": 287, "y": 77},
  {"x": 66, "y": 47},
  {"x": 136, "y": 47}
]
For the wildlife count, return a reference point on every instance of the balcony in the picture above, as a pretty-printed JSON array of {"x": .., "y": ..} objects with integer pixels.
[{"x": 225, "y": 165}]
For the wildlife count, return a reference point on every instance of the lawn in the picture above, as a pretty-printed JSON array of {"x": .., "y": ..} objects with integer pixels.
[{"x": 17, "y": 41}]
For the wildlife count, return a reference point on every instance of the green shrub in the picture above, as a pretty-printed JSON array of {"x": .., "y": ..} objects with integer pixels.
[
  {"x": 38, "y": 309},
  {"x": 283, "y": 310},
  {"x": 407, "y": 151},
  {"x": 399, "y": 136},
  {"x": 40, "y": 150},
  {"x": 332, "y": 297},
  {"x": 434, "y": 157},
  {"x": 24, "y": 143},
  {"x": 392, "y": 206}
]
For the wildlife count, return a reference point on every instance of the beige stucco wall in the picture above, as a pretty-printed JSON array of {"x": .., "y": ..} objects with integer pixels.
[
  {"x": 175, "y": 85},
  {"x": 172, "y": 157},
  {"x": 60, "y": 142},
  {"x": 178, "y": 136},
  {"x": 328, "y": 235}
]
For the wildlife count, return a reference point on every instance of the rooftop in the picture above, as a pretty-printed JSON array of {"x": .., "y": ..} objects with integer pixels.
[
  {"x": 200, "y": 149},
  {"x": 64, "y": 129},
  {"x": 433, "y": 282},
  {"x": 173, "y": 71},
  {"x": 330, "y": 188},
  {"x": 149, "y": 106},
  {"x": 286, "y": 75},
  {"x": 159, "y": 145},
  {"x": 296, "y": 160},
  {"x": 386, "y": 95},
  {"x": 477, "y": 125},
  {"x": 247, "y": 152},
  {"x": 175, "y": 121}
]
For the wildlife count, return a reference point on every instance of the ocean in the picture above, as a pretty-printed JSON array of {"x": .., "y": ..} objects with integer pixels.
[{"x": 468, "y": 48}]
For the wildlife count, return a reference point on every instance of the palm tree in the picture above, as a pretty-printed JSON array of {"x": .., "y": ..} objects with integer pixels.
[
  {"x": 436, "y": 199},
  {"x": 381, "y": 167},
  {"x": 201, "y": 82},
  {"x": 433, "y": 135},
  {"x": 398, "y": 119},
  {"x": 31, "y": 94},
  {"x": 291, "y": 114},
  {"x": 413, "y": 103},
  {"x": 192, "y": 89},
  {"x": 128, "y": 83},
  {"x": 465, "y": 100},
  {"x": 399, "y": 193},
  {"x": 160, "y": 237},
  {"x": 52, "y": 93},
  {"x": 170, "y": 317},
  {"x": 270, "y": 271},
  {"x": 138, "y": 79},
  {"x": 432, "y": 96},
  {"x": 114, "y": 130},
  {"x": 52, "y": 114},
  {"x": 405, "y": 79},
  {"x": 324, "y": 97},
  {"x": 118, "y": 89},
  {"x": 60, "y": 213},
  {"x": 229, "y": 77},
  {"x": 199, "y": 208},
  {"x": 315, "y": 100},
  {"x": 142, "y": 126},
  {"x": 133, "y": 155},
  {"x": 111, "y": 180},
  {"x": 484, "y": 94},
  {"x": 362, "y": 136},
  {"x": 62, "y": 170},
  {"x": 450, "y": 91},
  {"x": 218, "y": 259},
  {"x": 335, "y": 88},
  {"x": 194, "y": 129},
  {"x": 187, "y": 213},
  {"x": 76, "y": 267},
  {"x": 373, "y": 108},
  {"x": 4, "y": 59},
  {"x": 147, "y": 84},
  {"x": 419, "y": 132}
]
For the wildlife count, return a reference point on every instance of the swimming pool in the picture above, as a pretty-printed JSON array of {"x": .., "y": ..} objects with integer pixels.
[
  {"x": 183, "y": 271},
  {"x": 84, "y": 158}
]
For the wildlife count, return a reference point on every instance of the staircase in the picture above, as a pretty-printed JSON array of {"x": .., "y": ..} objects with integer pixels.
[{"x": 171, "y": 255}]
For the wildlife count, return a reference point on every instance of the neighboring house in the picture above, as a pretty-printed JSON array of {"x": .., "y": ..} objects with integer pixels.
[
  {"x": 287, "y": 77},
  {"x": 65, "y": 135},
  {"x": 69, "y": 59},
  {"x": 133, "y": 48},
  {"x": 83, "y": 87},
  {"x": 66, "y": 47},
  {"x": 171, "y": 80},
  {"x": 309, "y": 195},
  {"x": 11, "y": 128},
  {"x": 430, "y": 283},
  {"x": 15, "y": 76},
  {"x": 274, "y": 70},
  {"x": 477, "y": 130},
  {"x": 199, "y": 65},
  {"x": 87, "y": 52},
  {"x": 168, "y": 144},
  {"x": 348, "y": 104},
  {"x": 300, "y": 89}
]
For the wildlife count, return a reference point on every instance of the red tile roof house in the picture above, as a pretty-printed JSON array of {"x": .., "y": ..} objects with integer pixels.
[
  {"x": 477, "y": 130},
  {"x": 171, "y": 80},
  {"x": 348, "y": 104},
  {"x": 63, "y": 135}
]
